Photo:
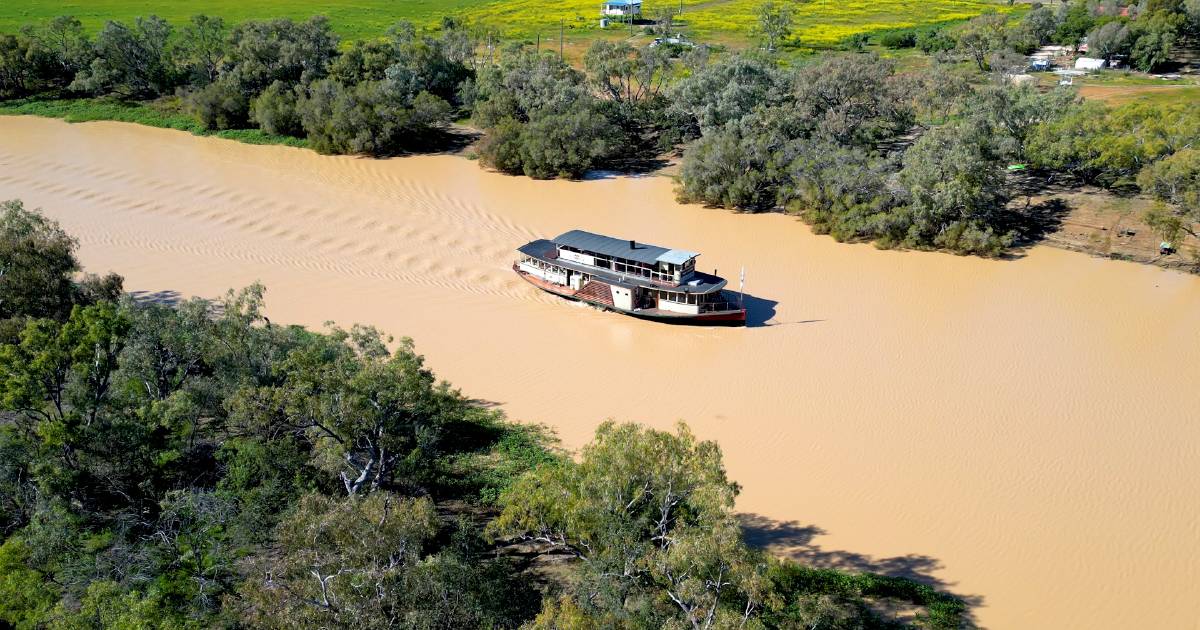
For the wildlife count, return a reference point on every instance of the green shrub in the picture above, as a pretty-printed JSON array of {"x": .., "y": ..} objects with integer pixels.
[{"x": 898, "y": 39}]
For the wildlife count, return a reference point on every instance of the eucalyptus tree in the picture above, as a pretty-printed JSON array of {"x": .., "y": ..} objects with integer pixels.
[
  {"x": 657, "y": 544},
  {"x": 372, "y": 417},
  {"x": 717, "y": 93},
  {"x": 981, "y": 36},
  {"x": 774, "y": 24},
  {"x": 954, "y": 181},
  {"x": 853, "y": 99},
  {"x": 1175, "y": 182},
  {"x": 131, "y": 61},
  {"x": 37, "y": 264},
  {"x": 58, "y": 50}
]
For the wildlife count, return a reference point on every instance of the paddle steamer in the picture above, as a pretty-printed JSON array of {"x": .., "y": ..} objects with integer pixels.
[{"x": 634, "y": 278}]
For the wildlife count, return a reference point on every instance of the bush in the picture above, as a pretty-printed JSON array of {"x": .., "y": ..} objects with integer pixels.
[
  {"x": 275, "y": 111},
  {"x": 373, "y": 117},
  {"x": 568, "y": 145},
  {"x": 935, "y": 41},
  {"x": 898, "y": 39},
  {"x": 501, "y": 147},
  {"x": 220, "y": 105}
]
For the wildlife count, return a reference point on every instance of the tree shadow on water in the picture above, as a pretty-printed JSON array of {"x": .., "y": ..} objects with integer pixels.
[
  {"x": 162, "y": 298},
  {"x": 795, "y": 541}
]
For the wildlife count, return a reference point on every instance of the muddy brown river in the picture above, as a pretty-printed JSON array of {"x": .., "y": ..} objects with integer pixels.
[{"x": 1023, "y": 432}]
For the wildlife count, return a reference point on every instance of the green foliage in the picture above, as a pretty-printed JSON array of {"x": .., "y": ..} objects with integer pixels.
[
  {"x": 568, "y": 144},
  {"x": 898, "y": 39},
  {"x": 981, "y": 37},
  {"x": 1154, "y": 37},
  {"x": 936, "y": 40},
  {"x": 1174, "y": 180},
  {"x": 373, "y": 418},
  {"x": 838, "y": 191},
  {"x": 1108, "y": 40},
  {"x": 37, "y": 262},
  {"x": 767, "y": 157},
  {"x": 656, "y": 543},
  {"x": 131, "y": 62},
  {"x": 200, "y": 49},
  {"x": 25, "y": 597},
  {"x": 1075, "y": 22},
  {"x": 1036, "y": 29},
  {"x": 734, "y": 167},
  {"x": 257, "y": 56},
  {"x": 372, "y": 118},
  {"x": 827, "y": 598},
  {"x": 543, "y": 120},
  {"x": 275, "y": 111},
  {"x": 955, "y": 182},
  {"x": 774, "y": 24},
  {"x": 107, "y": 605},
  {"x": 364, "y": 563},
  {"x": 1110, "y": 146},
  {"x": 719, "y": 93},
  {"x": 494, "y": 454}
]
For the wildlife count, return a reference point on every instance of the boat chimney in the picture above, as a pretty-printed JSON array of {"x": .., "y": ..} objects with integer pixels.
[{"x": 632, "y": 244}]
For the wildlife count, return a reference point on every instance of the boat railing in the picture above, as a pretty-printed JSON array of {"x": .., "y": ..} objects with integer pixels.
[{"x": 709, "y": 307}]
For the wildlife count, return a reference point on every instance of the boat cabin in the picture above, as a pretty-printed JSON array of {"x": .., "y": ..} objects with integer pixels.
[{"x": 637, "y": 278}]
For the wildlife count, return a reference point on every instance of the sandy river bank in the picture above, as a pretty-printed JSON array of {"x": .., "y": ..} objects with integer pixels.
[{"x": 1023, "y": 431}]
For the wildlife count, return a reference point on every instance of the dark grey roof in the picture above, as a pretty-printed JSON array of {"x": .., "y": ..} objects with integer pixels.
[
  {"x": 541, "y": 248},
  {"x": 608, "y": 246}
]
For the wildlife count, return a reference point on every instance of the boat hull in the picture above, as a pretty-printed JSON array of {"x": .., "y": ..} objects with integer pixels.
[{"x": 719, "y": 318}]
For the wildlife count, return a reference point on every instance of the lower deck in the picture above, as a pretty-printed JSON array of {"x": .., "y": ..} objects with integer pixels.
[{"x": 718, "y": 307}]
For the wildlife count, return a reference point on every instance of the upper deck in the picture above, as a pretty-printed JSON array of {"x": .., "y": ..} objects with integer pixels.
[{"x": 626, "y": 263}]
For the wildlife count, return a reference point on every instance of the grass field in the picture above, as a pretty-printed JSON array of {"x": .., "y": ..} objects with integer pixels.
[{"x": 819, "y": 23}]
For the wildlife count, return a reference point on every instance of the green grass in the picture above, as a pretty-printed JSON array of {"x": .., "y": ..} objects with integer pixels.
[
  {"x": 819, "y": 23},
  {"x": 352, "y": 19},
  {"x": 165, "y": 115}
]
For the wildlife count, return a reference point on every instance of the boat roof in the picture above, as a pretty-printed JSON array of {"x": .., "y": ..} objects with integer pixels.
[
  {"x": 609, "y": 246},
  {"x": 697, "y": 282}
]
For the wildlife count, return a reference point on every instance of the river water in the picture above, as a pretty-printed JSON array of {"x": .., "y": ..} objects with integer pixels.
[{"x": 1022, "y": 432}]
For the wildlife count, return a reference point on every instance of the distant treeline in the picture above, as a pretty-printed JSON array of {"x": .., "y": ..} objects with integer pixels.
[
  {"x": 856, "y": 147},
  {"x": 194, "y": 465}
]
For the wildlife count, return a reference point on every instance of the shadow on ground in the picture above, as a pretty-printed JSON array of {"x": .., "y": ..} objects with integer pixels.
[
  {"x": 1033, "y": 222},
  {"x": 794, "y": 540}
]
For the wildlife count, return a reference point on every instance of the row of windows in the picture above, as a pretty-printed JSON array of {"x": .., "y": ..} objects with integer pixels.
[
  {"x": 624, "y": 265},
  {"x": 530, "y": 260},
  {"x": 678, "y": 298}
]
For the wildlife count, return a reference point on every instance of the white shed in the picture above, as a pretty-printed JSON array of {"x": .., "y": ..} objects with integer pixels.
[
  {"x": 1089, "y": 63},
  {"x": 621, "y": 8}
]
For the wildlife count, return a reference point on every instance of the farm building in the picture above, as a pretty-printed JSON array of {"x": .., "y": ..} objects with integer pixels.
[
  {"x": 1089, "y": 63},
  {"x": 621, "y": 8}
]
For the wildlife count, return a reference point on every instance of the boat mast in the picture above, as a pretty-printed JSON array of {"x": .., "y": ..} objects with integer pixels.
[{"x": 742, "y": 288}]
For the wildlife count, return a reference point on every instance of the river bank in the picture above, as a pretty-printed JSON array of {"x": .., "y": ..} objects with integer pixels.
[
  {"x": 1080, "y": 218},
  {"x": 1018, "y": 431}
]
